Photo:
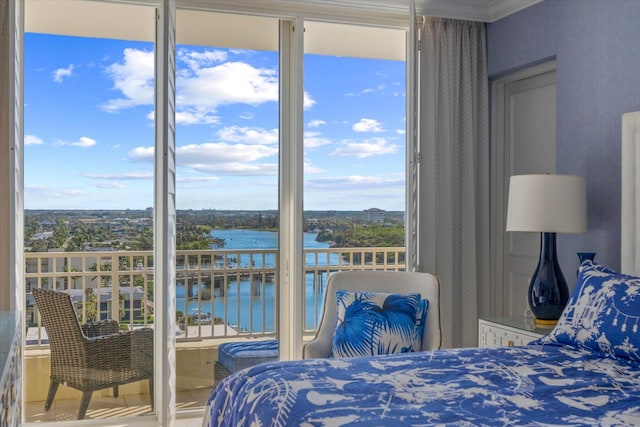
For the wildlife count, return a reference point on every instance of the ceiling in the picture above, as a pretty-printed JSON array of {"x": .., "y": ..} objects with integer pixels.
[
  {"x": 476, "y": 10},
  {"x": 253, "y": 23}
]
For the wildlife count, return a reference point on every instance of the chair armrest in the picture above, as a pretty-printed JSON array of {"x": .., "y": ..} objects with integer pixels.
[
  {"x": 100, "y": 328},
  {"x": 316, "y": 349}
]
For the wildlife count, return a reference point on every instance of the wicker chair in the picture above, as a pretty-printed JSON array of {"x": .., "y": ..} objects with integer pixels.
[{"x": 94, "y": 356}]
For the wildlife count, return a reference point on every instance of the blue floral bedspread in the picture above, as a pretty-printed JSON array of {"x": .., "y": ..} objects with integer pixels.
[{"x": 532, "y": 385}]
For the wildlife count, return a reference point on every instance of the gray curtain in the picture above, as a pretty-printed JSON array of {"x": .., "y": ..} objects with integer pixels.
[{"x": 454, "y": 172}]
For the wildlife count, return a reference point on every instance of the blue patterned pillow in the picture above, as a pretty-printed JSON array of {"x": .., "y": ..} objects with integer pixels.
[
  {"x": 372, "y": 323},
  {"x": 421, "y": 320},
  {"x": 602, "y": 314}
]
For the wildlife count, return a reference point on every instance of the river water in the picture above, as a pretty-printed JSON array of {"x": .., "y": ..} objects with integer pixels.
[{"x": 261, "y": 316}]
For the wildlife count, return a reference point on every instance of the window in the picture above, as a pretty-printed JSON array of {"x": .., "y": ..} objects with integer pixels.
[
  {"x": 229, "y": 152},
  {"x": 227, "y": 156},
  {"x": 354, "y": 148},
  {"x": 88, "y": 195}
]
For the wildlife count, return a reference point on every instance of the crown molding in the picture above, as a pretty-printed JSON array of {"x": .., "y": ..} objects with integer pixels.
[{"x": 473, "y": 10}]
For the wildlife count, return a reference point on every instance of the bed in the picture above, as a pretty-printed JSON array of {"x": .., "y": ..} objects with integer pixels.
[
  {"x": 526, "y": 386},
  {"x": 585, "y": 372}
]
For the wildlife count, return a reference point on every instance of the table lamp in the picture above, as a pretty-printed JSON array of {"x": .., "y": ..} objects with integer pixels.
[{"x": 547, "y": 204}]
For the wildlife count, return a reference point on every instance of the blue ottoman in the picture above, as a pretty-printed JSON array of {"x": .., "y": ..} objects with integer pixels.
[{"x": 234, "y": 356}]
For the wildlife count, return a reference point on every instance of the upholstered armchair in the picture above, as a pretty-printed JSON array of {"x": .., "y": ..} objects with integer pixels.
[{"x": 428, "y": 285}]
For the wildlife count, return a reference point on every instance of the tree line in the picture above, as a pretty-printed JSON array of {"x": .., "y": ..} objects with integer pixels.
[{"x": 74, "y": 233}]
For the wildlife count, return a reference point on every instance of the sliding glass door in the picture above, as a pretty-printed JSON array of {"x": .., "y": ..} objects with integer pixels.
[
  {"x": 227, "y": 157},
  {"x": 88, "y": 207},
  {"x": 167, "y": 193},
  {"x": 354, "y": 148}
]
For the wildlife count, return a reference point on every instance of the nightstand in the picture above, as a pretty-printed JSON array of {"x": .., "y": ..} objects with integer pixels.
[{"x": 508, "y": 331}]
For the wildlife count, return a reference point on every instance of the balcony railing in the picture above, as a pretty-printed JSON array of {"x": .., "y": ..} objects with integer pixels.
[{"x": 219, "y": 293}]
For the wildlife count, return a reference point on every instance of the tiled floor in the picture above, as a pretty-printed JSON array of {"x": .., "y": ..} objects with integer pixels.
[{"x": 109, "y": 407}]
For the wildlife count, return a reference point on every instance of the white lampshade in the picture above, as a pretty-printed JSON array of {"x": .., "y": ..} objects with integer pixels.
[{"x": 547, "y": 203}]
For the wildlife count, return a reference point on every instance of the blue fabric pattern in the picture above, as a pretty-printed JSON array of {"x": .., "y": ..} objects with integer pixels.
[
  {"x": 421, "y": 321},
  {"x": 239, "y": 355},
  {"x": 602, "y": 314},
  {"x": 371, "y": 323},
  {"x": 534, "y": 386}
]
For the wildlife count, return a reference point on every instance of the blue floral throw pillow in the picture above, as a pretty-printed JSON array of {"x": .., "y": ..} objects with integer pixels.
[
  {"x": 602, "y": 314},
  {"x": 371, "y": 323},
  {"x": 421, "y": 319}
]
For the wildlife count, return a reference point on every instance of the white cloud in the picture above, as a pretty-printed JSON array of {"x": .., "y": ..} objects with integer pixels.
[
  {"x": 196, "y": 179},
  {"x": 250, "y": 135},
  {"x": 316, "y": 123},
  {"x": 32, "y": 140},
  {"x": 196, "y": 117},
  {"x": 141, "y": 176},
  {"x": 41, "y": 192},
  {"x": 310, "y": 168},
  {"x": 227, "y": 83},
  {"x": 134, "y": 79},
  {"x": 120, "y": 176},
  {"x": 61, "y": 73},
  {"x": 219, "y": 158},
  {"x": 196, "y": 60},
  {"x": 307, "y": 101},
  {"x": 83, "y": 142},
  {"x": 204, "y": 82},
  {"x": 109, "y": 185},
  {"x": 368, "y": 125},
  {"x": 354, "y": 182},
  {"x": 142, "y": 154},
  {"x": 222, "y": 152},
  {"x": 313, "y": 140},
  {"x": 238, "y": 168},
  {"x": 365, "y": 148},
  {"x": 377, "y": 88}
]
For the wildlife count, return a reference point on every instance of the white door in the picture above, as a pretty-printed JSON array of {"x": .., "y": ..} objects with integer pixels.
[{"x": 524, "y": 141}]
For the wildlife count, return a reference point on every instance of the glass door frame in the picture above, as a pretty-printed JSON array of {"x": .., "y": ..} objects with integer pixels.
[
  {"x": 290, "y": 189},
  {"x": 164, "y": 216}
]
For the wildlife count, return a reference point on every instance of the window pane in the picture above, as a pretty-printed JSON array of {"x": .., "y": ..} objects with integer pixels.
[
  {"x": 89, "y": 137},
  {"x": 354, "y": 147},
  {"x": 227, "y": 192}
]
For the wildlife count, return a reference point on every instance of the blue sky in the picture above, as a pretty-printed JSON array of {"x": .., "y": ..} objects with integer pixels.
[{"x": 89, "y": 128}]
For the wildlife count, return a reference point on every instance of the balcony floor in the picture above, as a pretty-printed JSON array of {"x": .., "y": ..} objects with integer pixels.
[{"x": 108, "y": 407}]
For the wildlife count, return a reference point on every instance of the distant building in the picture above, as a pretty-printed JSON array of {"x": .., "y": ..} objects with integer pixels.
[
  {"x": 42, "y": 235},
  {"x": 375, "y": 215}
]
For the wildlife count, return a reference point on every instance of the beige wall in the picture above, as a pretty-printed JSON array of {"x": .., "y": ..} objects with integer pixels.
[{"x": 6, "y": 302}]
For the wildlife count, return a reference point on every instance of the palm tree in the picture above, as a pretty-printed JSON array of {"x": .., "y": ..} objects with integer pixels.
[{"x": 91, "y": 305}]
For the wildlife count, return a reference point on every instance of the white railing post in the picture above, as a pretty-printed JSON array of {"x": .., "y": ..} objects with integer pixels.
[{"x": 115, "y": 289}]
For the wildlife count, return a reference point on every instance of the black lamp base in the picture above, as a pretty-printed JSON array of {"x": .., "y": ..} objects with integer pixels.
[{"x": 548, "y": 292}]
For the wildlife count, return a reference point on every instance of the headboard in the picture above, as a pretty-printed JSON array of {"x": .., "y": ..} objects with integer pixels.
[{"x": 630, "y": 194}]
